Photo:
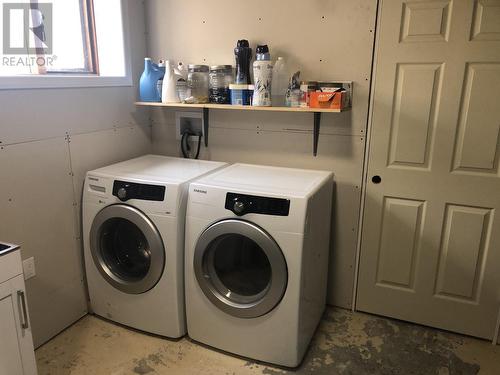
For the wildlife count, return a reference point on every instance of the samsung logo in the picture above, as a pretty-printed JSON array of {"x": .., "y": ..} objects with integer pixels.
[{"x": 200, "y": 191}]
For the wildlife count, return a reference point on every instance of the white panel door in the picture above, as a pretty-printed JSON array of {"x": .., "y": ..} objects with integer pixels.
[
  {"x": 430, "y": 249},
  {"x": 17, "y": 356}
]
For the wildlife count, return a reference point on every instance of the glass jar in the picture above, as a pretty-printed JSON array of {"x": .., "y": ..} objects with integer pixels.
[
  {"x": 197, "y": 83},
  {"x": 220, "y": 77}
]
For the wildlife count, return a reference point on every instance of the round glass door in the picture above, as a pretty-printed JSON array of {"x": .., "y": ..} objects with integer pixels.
[
  {"x": 240, "y": 268},
  {"x": 127, "y": 249}
]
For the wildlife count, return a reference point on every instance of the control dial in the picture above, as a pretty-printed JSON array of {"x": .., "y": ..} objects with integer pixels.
[
  {"x": 122, "y": 193},
  {"x": 239, "y": 207}
]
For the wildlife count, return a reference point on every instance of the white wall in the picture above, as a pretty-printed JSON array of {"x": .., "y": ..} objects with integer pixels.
[
  {"x": 328, "y": 40},
  {"x": 49, "y": 138}
]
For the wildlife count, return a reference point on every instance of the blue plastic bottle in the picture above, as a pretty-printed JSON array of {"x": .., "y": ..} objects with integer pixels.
[{"x": 148, "y": 89}]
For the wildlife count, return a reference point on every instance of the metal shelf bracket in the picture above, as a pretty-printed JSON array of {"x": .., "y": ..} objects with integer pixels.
[
  {"x": 317, "y": 124},
  {"x": 205, "y": 125}
]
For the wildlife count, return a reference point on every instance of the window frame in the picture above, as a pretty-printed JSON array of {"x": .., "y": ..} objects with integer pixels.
[
  {"x": 79, "y": 78},
  {"x": 89, "y": 36}
]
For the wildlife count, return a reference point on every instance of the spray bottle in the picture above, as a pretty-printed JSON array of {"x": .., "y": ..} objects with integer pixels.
[
  {"x": 159, "y": 84},
  {"x": 182, "y": 89}
]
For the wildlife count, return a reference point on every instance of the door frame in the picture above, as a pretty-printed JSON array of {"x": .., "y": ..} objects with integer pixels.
[{"x": 366, "y": 159}]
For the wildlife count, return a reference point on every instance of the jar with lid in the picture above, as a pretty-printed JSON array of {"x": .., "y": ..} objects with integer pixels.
[
  {"x": 220, "y": 77},
  {"x": 197, "y": 83}
]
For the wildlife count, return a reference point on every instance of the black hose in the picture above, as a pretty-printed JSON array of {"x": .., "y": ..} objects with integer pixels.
[
  {"x": 199, "y": 146},
  {"x": 185, "y": 135},
  {"x": 185, "y": 148}
]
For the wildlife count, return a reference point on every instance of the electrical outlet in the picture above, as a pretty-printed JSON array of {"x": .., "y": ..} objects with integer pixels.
[
  {"x": 29, "y": 268},
  {"x": 188, "y": 121}
]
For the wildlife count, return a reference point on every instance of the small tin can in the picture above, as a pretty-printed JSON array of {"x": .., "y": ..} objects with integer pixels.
[
  {"x": 306, "y": 87},
  {"x": 241, "y": 94}
]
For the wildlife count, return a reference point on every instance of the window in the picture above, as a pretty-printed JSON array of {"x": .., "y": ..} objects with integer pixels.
[{"x": 67, "y": 42}]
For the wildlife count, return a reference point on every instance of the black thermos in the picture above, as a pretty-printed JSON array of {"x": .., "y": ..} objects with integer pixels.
[{"x": 243, "y": 54}]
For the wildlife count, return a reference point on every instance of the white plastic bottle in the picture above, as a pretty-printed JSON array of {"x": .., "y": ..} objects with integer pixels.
[
  {"x": 279, "y": 83},
  {"x": 169, "y": 88},
  {"x": 262, "y": 75}
]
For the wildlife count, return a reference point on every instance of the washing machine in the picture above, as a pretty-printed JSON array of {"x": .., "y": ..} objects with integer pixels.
[
  {"x": 257, "y": 245},
  {"x": 133, "y": 233}
]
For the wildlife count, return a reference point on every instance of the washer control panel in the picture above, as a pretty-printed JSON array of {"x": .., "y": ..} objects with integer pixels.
[
  {"x": 242, "y": 204},
  {"x": 131, "y": 190}
]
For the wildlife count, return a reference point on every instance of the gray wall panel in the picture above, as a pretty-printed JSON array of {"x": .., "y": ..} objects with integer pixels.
[
  {"x": 49, "y": 139},
  {"x": 327, "y": 40}
]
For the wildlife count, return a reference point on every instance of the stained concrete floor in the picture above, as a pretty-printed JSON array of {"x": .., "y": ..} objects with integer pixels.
[{"x": 345, "y": 343}]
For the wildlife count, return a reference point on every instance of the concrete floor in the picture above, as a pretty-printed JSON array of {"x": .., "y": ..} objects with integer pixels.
[{"x": 345, "y": 343}]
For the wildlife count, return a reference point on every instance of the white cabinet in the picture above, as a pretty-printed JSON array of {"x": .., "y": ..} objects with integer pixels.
[{"x": 17, "y": 356}]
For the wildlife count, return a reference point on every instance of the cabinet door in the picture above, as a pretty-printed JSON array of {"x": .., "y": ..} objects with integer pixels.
[{"x": 17, "y": 356}]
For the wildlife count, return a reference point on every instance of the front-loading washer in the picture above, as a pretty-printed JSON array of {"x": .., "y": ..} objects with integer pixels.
[
  {"x": 133, "y": 235},
  {"x": 257, "y": 244}
]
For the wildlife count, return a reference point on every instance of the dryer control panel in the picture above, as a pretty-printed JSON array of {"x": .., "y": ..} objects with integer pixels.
[
  {"x": 131, "y": 190},
  {"x": 242, "y": 204}
]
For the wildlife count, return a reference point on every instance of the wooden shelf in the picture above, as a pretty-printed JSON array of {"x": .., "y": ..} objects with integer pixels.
[
  {"x": 207, "y": 107},
  {"x": 241, "y": 107}
]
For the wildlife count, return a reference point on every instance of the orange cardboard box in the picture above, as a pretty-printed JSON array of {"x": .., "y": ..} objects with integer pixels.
[{"x": 329, "y": 100}]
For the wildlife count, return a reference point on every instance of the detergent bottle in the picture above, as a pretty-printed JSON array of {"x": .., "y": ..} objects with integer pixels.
[{"x": 148, "y": 84}]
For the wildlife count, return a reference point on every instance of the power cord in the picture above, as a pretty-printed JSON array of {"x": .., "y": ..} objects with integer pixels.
[{"x": 186, "y": 148}]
